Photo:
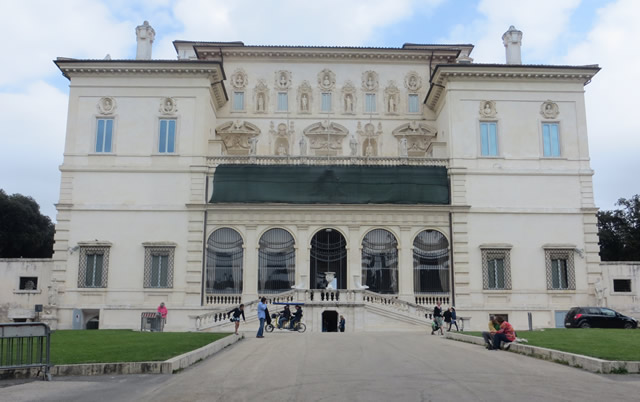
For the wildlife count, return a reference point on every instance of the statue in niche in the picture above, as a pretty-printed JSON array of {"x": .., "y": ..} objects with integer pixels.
[
  {"x": 413, "y": 82},
  {"x": 353, "y": 144},
  {"x": 326, "y": 81},
  {"x": 304, "y": 103},
  {"x": 283, "y": 80},
  {"x": 393, "y": 106},
  {"x": 599, "y": 289},
  {"x": 253, "y": 145},
  {"x": 487, "y": 108},
  {"x": 370, "y": 83},
  {"x": 260, "y": 106},
  {"x": 303, "y": 146},
  {"x": 368, "y": 150},
  {"x": 348, "y": 103},
  {"x": 404, "y": 152},
  {"x": 239, "y": 81},
  {"x": 282, "y": 151}
]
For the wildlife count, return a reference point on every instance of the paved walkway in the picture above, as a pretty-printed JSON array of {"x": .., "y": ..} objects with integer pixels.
[{"x": 347, "y": 367}]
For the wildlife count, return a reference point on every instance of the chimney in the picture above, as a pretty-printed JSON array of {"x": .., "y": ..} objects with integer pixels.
[
  {"x": 144, "y": 36},
  {"x": 512, "y": 40}
]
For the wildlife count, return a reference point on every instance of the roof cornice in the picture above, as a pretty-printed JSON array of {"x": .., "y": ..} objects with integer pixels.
[
  {"x": 211, "y": 70},
  {"x": 443, "y": 73}
]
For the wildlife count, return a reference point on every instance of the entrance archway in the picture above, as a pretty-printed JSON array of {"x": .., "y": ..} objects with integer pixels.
[
  {"x": 328, "y": 254},
  {"x": 330, "y": 321}
]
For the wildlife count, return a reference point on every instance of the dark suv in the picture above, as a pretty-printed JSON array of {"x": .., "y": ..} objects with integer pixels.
[{"x": 597, "y": 317}]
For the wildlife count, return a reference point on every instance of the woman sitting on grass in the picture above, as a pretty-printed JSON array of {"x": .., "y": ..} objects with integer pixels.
[{"x": 505, "y": 334}]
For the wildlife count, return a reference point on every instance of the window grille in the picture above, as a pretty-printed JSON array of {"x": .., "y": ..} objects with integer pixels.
[
  {"x": 328, "y": 254},
  {"x": 622, "y": 285},
  {"x": 430, "y": 262},
  {"x": 94, "y": 266},
  {"x": 276, "y": 261},
  {"x": 496, "y": 269},
  {"x": 380, "y": 261},
  {"x": 560, "y": 269},
  {"x": 158, "y": 266},
  {"x": 224, "y": 262}
]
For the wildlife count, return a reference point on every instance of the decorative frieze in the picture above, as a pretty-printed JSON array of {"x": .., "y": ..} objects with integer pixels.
[
  {"x": 325, "y": 137},
  {"x": 414, "y": 139},
  {"x": 239, "y": 137}
]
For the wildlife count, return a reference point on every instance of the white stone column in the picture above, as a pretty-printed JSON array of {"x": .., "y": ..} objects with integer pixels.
[
  {"x": 250, "y": 271},
  {"x": 354, "y": 257},
  {"x": 303, "y": 251},
  {"x": 405, "y": 265}
]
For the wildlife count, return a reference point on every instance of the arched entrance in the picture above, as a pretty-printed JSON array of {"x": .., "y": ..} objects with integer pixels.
[
  {"x": 328, "y": 254},
  {"x": 330, "y": 321}
]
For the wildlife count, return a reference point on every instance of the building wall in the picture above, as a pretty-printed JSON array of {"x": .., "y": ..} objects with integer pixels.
[
  {"x": 16, "y": 303},
  {"x": 625, "y": 302}
]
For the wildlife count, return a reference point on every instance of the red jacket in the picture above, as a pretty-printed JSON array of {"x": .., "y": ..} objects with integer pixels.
[
  {"x": 508, "y": 331},
  {"x": 163, "y": 311}
]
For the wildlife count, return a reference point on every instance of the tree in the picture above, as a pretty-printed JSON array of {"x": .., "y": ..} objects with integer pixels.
[
  {"x": 619, "y": 231},
  {"x": 24, "y": 231}
]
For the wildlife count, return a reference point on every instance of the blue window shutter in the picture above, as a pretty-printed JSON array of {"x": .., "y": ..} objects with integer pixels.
[
  {"x": 238, "y": 101},
  {"x": 493, "y": 140},
  {"x": 162, "y": 140},
  {"x": 108, "y": 135},
  {"x": 100, "y": 135},
  {"x": 484, "y": 138},
  {"x": 413, "y": 103},
  {"x": 326, "y": 102},
  {"x": 283, "y": 102},
  {"x": 555, "y": 140},
  {"x": 546, "y": 140},
  {"x": 171, "y": 141}
]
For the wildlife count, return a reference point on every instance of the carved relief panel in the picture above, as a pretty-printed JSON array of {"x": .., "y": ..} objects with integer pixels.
[
  {"x": 392, "y": 98},
  {"x": 283, "y": 80},
  {"x": 549, "y": 110},
  {"x": 305, "y": 98},
  {"x": 281, "y": 138},
  {"x": 370, "y": 138},
  {"x": 349, "y": 99},
  {"x": 488, "y": 109},
  {"x": 325, "y": 138},
  {"x": 107, "y": 105},
  {"x": 412, "y": 81},
  {"x": 326, "y": 80},
  {"x": 239, "y": 137},
  {"x": 261, "y": 97},
  {"x": 414, "y": 139},
  {"x": 370, "y": 81},
  {"x": 168, "y": 107},
  {"x": 239, "y": 79}
]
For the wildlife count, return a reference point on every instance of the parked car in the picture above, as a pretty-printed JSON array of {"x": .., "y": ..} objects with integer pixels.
[{"x": 598, "y": 317}]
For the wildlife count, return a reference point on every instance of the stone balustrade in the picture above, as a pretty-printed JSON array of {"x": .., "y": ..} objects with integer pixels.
[
  {"x": 221, "y": 299},
  {"x": 214, "y": 161},
  {"x": 432, "y": 300}
]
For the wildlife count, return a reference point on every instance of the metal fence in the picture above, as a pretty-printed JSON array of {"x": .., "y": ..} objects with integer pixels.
[
  {"x": 24, "y": 346},
  {"x": 151, "y": 321}
]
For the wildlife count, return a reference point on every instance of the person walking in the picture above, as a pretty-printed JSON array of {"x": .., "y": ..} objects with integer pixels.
[
  {"x": 437, "y": 317},
  {"x": 453, "y": 319},
  {"x": 262, "y": 316},
  {"x": 235, "y": 316},
  {"x": 447, "y": 317},
  {"x": 341, "y": 324}
]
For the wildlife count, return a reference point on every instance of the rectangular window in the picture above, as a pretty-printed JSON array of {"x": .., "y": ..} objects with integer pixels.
[
  {"x": 326, "y": 102},
  {"x": 104, "y": 135},
  {"x": 550, "y": 139},
  {"x": 28, "y": 283},
  {"x": 488, "y": 139},
  {"x": 158, "y": 266},
  {"x": 94, "y": 262},
  {"x": 496, "y": 269},
  {"x": 370, "y": 103},
  {"x": 167, "y": 137},
  {"x": 622, "y": 285},
  {"x": 238, "y": 101},
  {"x": 560, "y": 269},
  {"x": 414, "y": 104},
  {"x": 283, "y": 102}
]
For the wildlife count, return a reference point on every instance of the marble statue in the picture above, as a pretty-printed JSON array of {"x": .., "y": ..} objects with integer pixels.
[
  {"x": 253, "y": 144},
  {"x": 403, "y": 148},
  {"x": 261, "y": 103},
  {"x": 303, "y": 146},
  {"x": 304, "y": 103},
  {"x": 348, "y": 104},
  {"x": 145, "y": 36},
  {"x": 599, "y": 289},
  {"x": 353, "y": 144}
]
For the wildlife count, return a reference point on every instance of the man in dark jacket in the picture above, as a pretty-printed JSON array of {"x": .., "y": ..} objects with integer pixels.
[
  {"x": 285, "y": 315},
  {"x": 296, "y": 318},
  {"x": 437, "y": 317}
]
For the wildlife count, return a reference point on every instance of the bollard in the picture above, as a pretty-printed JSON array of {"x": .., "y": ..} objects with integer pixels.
[{"x": 530, "y": 321}]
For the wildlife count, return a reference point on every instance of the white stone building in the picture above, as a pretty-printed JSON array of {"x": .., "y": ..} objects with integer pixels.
[{"x": 239, "y": 171}]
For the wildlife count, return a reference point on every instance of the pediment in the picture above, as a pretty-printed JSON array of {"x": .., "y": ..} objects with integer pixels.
[
  {"x": 326, "y": 128},
  {"x": 415, "y": 129},
  {"x": 236, "y": 136}
]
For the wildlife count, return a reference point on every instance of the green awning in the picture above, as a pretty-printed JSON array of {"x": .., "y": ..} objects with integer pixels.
[{"x": 330, "y": 184}]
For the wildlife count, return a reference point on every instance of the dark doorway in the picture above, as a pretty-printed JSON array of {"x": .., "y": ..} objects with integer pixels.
[
  {"x": 330, "y": 321},
  {"x": 328, "y": 254}
]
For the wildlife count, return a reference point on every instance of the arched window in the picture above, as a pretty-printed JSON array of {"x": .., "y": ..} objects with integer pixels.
[
  {"x": 380, "y": 261},
  {"x": 430, "y": 262},
  {"x": 277, "y": 261},
  {"x": 224, "y": 262}
]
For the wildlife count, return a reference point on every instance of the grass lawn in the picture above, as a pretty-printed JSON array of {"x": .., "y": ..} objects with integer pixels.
[
  {"x": 112, "y": 346},
  {"x": 608, "y": 344}
]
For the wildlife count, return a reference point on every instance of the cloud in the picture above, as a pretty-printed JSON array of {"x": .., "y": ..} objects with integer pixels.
[
  {"x": 542, "y": 23},
  {"x": 33, "y": 142},
  {"x": 614, "y": 129}
]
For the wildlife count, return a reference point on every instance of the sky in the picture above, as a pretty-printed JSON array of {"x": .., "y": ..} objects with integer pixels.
[{"x": 34, "y": 94}]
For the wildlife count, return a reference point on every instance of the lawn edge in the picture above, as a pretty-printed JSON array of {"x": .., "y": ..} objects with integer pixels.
[
  {"x": 170, "y": 366},
  {"x": 593, "y": 364}
]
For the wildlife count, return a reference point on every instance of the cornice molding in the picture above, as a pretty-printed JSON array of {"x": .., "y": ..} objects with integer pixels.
[{"x": 444, "y": 74}]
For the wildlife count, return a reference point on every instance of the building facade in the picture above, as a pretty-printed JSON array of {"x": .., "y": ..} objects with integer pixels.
[{"x": 368, "y": 182}]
